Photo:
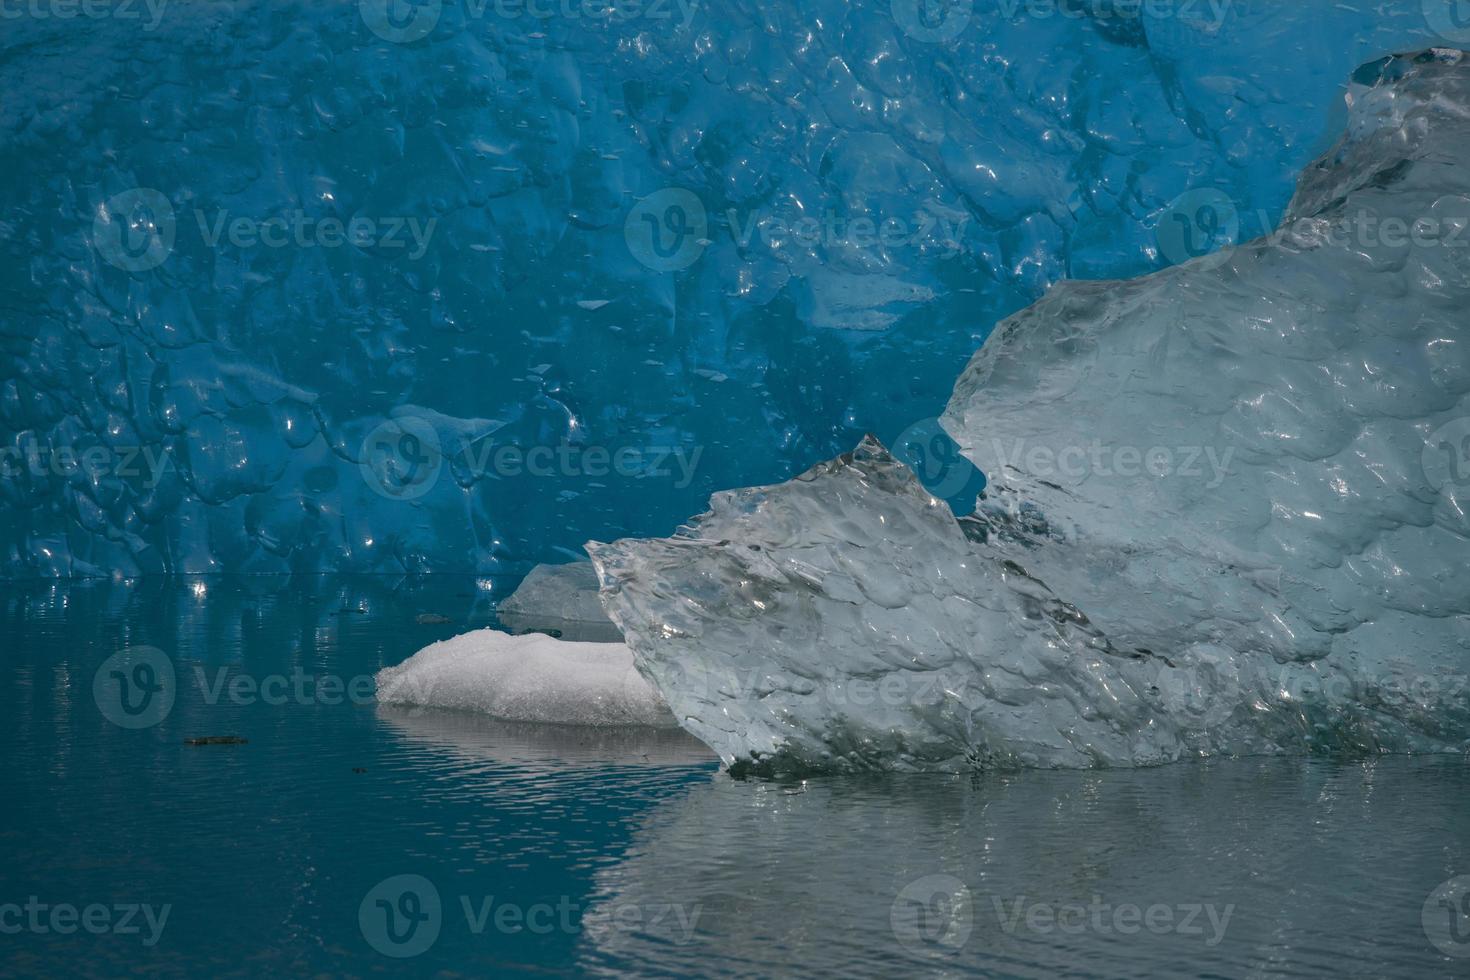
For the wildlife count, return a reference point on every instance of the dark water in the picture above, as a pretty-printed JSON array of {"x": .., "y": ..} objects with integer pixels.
[{"x": 344, "y": 838}]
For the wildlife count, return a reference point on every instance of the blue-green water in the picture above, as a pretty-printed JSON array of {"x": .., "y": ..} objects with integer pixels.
[{"x": 341, "y": 835}]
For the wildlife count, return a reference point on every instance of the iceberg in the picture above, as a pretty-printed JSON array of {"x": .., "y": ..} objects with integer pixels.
[
  {"x": 531, "y": 678},
  {"x": 561, "y": 601},
  {"x": 1226, "y": 512}
]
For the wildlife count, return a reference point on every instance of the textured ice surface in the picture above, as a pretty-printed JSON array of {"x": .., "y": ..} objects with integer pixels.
[
  {"x": 1293, "y": 579},
  {"x": 1320, "y": 379},
  {"x": 531, "y": 678},
  {"x": 296, "y": 404},
  {"x": 559, "y": 599}
]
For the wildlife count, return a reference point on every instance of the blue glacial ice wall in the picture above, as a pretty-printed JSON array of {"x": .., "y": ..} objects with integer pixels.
[{"x": 391, "y": 287}]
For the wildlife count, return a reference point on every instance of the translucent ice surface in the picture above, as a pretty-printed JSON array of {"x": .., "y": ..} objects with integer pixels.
[
  {"x": 1227, "y": 512},
  {"x": 561, "y": 600},
  {"x": 372, "y": 287}
]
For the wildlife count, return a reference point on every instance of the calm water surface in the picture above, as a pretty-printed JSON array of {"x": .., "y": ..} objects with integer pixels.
[{"x": 345, "y": 838}]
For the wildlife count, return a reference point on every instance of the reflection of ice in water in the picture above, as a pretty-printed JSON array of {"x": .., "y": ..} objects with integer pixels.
[
  {"x": 1057, "y": 872},
  {"x": 477, "y": 739}
]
